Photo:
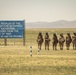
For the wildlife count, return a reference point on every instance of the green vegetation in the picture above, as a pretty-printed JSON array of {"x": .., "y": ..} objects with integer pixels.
[{"x": 16, "y": 60}]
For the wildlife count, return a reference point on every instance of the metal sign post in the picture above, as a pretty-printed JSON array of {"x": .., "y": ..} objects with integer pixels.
[
  {"x": 24, "y": 35},
  {"x": 14, "y": 41}
]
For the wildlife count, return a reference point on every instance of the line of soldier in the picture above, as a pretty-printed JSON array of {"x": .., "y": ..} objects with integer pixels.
[{"x": 55, "y": 41}]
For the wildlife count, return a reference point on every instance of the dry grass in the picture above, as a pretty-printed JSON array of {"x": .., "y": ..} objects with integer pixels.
[{"x": 16, "y": 60}]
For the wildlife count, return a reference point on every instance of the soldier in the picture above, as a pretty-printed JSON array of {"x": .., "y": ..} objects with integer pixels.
[
  {"x": 61, "y": 41},
  {"x": 55, "y": 41},
  {"x": 47, "y": 41},
  {"x": 74, "y": 41},
  {"x": 39, "y": 40},
  {"x": 68, "y": 40}
]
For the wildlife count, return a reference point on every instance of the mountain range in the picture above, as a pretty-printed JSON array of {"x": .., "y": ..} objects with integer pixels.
[{"x": 56, "y": 24}]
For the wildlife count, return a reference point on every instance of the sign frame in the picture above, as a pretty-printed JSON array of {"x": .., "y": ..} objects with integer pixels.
[
  {"x": 22, "y": 32},
  {"x": 12, "y": 29}
]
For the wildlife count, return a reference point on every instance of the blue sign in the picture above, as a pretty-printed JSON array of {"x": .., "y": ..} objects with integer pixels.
[{"x": 12, "y": 29}]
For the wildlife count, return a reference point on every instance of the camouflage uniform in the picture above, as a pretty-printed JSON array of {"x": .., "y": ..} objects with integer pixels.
[
  {"x": 55, "y": 41},
  {"x": 74, "y": 41},
  {"x": 47, "y": 41},
  {"x": 61, "y": 41},
  {"x": 68, "y": 40},
  {"x": 40, "y": 40}
]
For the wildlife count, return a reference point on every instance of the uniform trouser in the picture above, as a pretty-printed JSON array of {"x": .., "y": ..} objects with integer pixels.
[
  {"x": 61, "y": 45},
  {"x": 47, "y": 45},
  {"x": 39, "y": 45},
  {"x": 74, "y": 46},
  {"x": 68, "y": 45},
  {"x": 54, "y": 45}
]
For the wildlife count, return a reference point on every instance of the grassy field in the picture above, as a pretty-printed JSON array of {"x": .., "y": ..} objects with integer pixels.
[{"x": 15, "y": 58}]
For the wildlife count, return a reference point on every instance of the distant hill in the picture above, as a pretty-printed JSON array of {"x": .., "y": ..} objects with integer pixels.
[{"x": 56, "y": 24}]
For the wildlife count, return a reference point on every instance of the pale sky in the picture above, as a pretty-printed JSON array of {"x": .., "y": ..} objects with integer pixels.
[{"x": 38, "y": 10}]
